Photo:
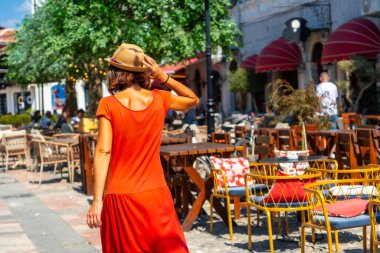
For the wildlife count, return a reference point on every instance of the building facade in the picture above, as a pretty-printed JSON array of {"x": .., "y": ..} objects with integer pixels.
[{"x": 264, "y": 21}]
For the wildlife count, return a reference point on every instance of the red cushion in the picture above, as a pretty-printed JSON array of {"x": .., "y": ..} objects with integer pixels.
[
  {"x": 346, "y": 208},
  {"x": 234, "y": 169},
  {"x": 288, "y": 190}
]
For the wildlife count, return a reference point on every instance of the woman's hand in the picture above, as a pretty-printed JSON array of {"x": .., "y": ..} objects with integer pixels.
[
  {"x": 154, "y": 71},
  {"x": 93, "y": 215}
]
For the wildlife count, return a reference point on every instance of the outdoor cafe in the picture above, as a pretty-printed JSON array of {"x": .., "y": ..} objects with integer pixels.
[{"x": 267, "y": 177}]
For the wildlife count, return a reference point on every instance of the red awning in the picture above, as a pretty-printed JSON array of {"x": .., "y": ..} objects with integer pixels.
[
  {"x": 175, "y": 68},
  {"x": 249, "y": 62},
  {"x": 279, "y": 55},
  {"x": 357, "y": 37}
]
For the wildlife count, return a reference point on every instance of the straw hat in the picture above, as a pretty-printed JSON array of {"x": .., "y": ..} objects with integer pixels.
[{"x": 128, "y": 57}]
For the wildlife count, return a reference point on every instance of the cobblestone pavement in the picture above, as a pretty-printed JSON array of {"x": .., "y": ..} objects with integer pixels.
[{"x": 39, "y": 219}]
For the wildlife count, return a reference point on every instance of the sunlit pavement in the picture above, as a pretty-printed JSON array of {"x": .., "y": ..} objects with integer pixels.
[{"x": 51, "y": 218}]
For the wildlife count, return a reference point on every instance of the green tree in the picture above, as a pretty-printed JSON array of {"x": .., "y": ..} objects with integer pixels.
[
  {"x": 366, "y": 74},
  {"x": 67, "y": 39},
  {"x": 247, "y": 81}
]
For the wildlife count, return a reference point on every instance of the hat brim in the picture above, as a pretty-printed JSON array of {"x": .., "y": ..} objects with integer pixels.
[{"x": 126, "y": 67}]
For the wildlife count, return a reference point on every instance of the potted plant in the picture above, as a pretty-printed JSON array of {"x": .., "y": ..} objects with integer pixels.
[{"x": 303, "y": 104}]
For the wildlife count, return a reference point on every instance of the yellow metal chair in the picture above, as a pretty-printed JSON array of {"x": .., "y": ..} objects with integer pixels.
[
  {"x": 329, "y": 170},
  {"x": 329, "y": 192},
  {"x": 373, "y": 209},
  {"x": 281, "y": 194},
  {"x": 222, "y": 169}
]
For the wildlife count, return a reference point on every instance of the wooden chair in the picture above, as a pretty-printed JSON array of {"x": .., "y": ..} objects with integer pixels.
[
  {"x": 224, "y": 138},
  {"x": 240, "y": 132},
  {"x": 50, "y": 153},
  {"x": 16, "y": 145},
  {"x": 329, "y": 194},
  {"x": 278, "y": 193},
  {"x": 263, "y": 146},
  {"x": 66, "y": 136},
  {"x": 87, "y": 144},
  {"x": 297, "y": 131},
  {"x": 347, "y": 151},
  {"x": 284, "y": 139},
  {"x": 368, "y": 145},
  {"x": 351, "y": 120},
  {"x": 74, "y": 160}
]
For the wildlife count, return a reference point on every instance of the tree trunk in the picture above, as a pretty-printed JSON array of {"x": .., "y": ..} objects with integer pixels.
[
  {"x": 357, "y": 100},
  {"x": 71, "y": 97},
  {"x": 95, "y": 94}
]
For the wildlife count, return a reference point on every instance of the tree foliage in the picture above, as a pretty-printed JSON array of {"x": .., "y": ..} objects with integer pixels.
[
  {"x": 238, "y": 81},
  {"x": 301, "y": 103},
  {"x": 366, "y": 74},
  {"x": 67, "y": 39}
]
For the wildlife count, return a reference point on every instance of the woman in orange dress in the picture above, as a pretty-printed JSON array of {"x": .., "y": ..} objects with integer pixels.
[{"x": 132, "y": 204}]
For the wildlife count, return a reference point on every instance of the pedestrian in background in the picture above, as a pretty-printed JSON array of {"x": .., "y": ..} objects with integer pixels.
[{"x": 327, "y": 93}]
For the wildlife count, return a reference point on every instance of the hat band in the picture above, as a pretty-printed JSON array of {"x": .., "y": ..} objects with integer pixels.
[{"x": 113, "y": 60}]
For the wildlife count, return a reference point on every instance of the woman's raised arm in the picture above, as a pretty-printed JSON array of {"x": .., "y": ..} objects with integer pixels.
[{"x": 186, "y": 98}]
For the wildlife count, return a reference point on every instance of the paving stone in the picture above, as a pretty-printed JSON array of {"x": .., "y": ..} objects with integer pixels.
[{"x": 56, "y": 211}]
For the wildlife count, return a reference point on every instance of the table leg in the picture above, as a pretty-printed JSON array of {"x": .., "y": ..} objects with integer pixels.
[{"x": 197, "y": 206}]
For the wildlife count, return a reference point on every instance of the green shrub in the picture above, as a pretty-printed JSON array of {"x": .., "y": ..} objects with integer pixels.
[{"x": 15, "y": 120}]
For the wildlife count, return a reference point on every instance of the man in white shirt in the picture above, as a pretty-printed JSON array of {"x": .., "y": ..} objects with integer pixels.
[{"x": 327, "y": 93}]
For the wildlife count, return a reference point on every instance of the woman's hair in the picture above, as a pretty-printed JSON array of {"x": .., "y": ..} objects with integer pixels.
[{"x": 118, "y": 79}]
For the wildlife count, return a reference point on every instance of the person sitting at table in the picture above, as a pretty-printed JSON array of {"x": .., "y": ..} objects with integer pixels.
[
  {"x": 62, "y": 118},
  {"x": 75, "y": 121},
  {"x": 46, "y": 120},
  {"x": 135, "y": 212}
]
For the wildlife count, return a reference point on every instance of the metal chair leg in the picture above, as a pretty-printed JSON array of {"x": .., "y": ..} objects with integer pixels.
[
  {"x": 228, "y": 203},
  {"x": 364, "y": 239},
  {"x": 303, "y": 239},
  {"x": 271, "y": 247},
  {"x": 211, "y": 214},
  {"x": 249, "y": 227},
  {"x": 336, "y": 235}
]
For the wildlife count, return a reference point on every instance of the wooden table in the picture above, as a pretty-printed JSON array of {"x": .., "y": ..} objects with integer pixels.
[{"x": 184, "y": 155}]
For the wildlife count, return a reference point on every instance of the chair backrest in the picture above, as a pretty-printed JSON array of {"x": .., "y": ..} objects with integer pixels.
[
  {"x": 329, "y": 171},
  {"x": 229, "y": 172},
  {"x": 263, "y": 146},
  {"x": 15, "y": 142},
  {"x": 284, "y": 139},
  {"x": 224, "y": 138},
  {"x": 347, "y": 151},
  {"x": 280, "y": 192},
  {"x": 368, "y": 145},
  {"x": 351, "y": 120},
  {"x": 329, "y": 196},
  {"x": 240, "y": 132},
  {"x": 66, "y": 136}
]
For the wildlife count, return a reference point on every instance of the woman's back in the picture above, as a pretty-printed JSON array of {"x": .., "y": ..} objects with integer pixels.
[{"x": 136, "y": 138}]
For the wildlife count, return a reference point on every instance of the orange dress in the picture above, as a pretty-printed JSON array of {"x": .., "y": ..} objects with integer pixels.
[{"x": 138, "y": 211}]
